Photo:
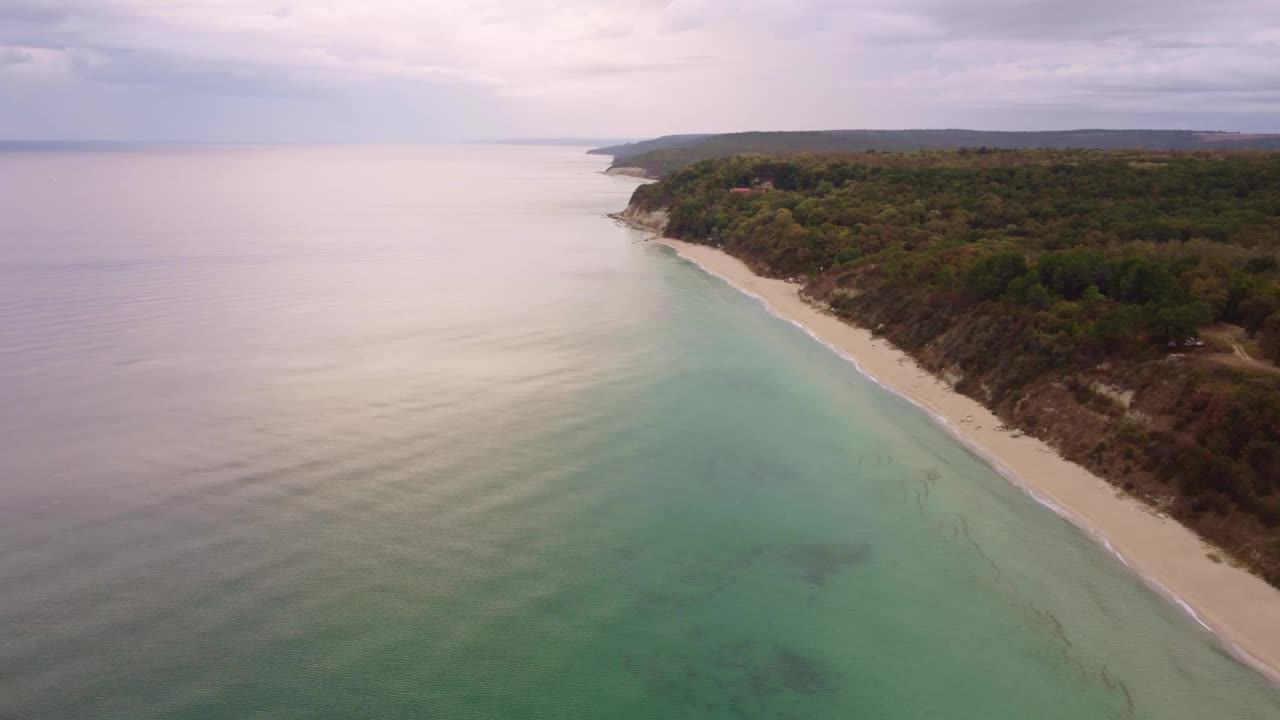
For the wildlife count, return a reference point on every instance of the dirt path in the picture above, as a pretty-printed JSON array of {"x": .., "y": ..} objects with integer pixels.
[
  {"x": 1239, "y": 351},
  {"x": 1239, "y": 357}
]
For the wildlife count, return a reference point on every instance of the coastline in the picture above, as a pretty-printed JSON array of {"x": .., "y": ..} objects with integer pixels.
[
  {"x": 1242, "y": 610},
  {"x": 634, "y": 172}
]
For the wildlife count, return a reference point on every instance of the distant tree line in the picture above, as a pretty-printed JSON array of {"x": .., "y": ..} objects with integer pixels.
[{"x": 665, "y": 155}]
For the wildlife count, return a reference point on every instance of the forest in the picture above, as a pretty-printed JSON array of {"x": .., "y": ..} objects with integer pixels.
[{"x": 1088, "y": 297}]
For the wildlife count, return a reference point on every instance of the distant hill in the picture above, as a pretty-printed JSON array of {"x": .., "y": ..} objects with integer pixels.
[
  {"x": 664, "y": 155},
  {"x": 640, "y": 147}
]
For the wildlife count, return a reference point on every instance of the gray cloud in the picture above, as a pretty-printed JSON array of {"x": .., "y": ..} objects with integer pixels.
[
  {"x": 634, "y": 67},
  {"x": 164, "y": 70},
  {"x": 25, "y": 11},
  {"x": 14, "y": 56},
  {"x": 1053, "y": 20}
]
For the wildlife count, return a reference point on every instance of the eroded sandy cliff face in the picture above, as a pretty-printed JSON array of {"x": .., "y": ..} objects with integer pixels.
[{"x": 654, "y": 220}]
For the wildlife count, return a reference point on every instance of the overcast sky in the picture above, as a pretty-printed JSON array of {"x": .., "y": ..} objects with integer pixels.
[{"x": 420, "y": 70}]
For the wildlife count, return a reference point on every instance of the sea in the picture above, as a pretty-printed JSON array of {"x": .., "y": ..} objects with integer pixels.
[{"x": 420, "y": 432}]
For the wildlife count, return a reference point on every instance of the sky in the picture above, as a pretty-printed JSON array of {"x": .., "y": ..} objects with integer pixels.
[{"x": 428, "y": 70}]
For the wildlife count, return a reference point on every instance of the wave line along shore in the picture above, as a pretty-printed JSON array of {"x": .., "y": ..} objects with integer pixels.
[{"x": 1240, "y": 609}]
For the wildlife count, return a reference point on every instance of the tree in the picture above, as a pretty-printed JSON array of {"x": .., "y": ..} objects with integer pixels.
[
  {"x": 1027, "y": 290},
  {"x": 848, "y": 254},
  {"x": 990, "y": 276},
  {"x": 1255, "y": 309},
  {"x": 1210, "y": 287},
  {"x": 1176, "y": 323},
  {"x": 1069, "y": 273},
  {"x": 1119, "y": 326},
  {"x": 1092, "y": 296},
  {"x": 1140, "y": 281},
  {"x": 1270, "y": 337}
]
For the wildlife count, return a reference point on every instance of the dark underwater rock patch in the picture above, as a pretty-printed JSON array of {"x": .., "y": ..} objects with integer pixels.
[{"x": 817, "y": 562}]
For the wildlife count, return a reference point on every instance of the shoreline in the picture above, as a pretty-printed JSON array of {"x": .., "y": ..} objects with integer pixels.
[
  {"x": 1240, "y": 609},
  {"x": 634, "y": 172}
]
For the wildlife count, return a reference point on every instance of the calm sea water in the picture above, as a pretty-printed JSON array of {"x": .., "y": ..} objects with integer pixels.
[{"x": 415, "y": 432}]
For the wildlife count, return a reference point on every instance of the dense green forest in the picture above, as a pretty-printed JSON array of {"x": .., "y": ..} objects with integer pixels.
[
  {"x": 665, "y": 155},
  {"x": 1067, "y": 289}
]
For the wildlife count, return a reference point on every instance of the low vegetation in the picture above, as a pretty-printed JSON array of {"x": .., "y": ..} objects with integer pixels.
[{"x": 1065, "y": 288}]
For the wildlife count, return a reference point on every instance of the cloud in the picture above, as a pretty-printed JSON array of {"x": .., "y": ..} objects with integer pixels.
[
  {"x": 27, "y": 11},
  {"x": 14, "y": 56},
  {"x": 614, "y": 69},
  {"x": 648, "y": 66},
  {"x": 133, "y": 67},
  {"x": 683, "y": 15},
  {"x": 1094, "y": 20}
]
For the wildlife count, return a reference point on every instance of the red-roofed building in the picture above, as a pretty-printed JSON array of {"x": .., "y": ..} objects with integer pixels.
[{"x": 757, "y": 185}]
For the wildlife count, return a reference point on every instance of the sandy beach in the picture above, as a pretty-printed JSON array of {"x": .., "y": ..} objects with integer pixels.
[{"x": 1240, "y": 608}]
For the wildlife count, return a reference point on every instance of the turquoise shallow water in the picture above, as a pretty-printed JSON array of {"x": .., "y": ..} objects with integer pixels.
[{"x": 416, "y": 432}]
